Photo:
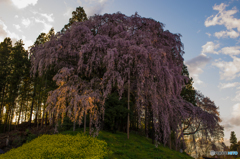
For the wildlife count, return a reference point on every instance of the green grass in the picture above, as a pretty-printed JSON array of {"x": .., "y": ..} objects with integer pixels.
[
  {"x": 137, "y": 147},
  {"x": 118, "y": 147}
]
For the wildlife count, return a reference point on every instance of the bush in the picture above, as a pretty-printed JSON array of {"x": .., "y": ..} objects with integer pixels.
[{"x": 60, "y": 146}]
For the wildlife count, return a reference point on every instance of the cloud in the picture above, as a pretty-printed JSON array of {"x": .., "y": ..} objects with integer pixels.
[
  {"x": 229, "y": 70},
  {"x": 237, "y": 96},
  {"x": 3, "y": 28},
  {"x": 226, "y": 98},
  {"x": 210, "y": 47},
  {"x": 47, "y": 26},
  {"x": 45, "y": 15},
  {"x": 49, "y": 17},
  {"x": 198, "y": 31},
  {"x": 68, "y": 13},
  {"x": 16, "y": 16},
  {"x": 27, "y": 42},
  {"x": 93, "y": 6},
  {"x": 228, "y": 85},
  {"x": 26, "y": 22},
  {"x": 228, "y": 126},
  {"x": 4, "y": 32},
  {"x": 208, "y": 34},
  {"x": 233, "y": 50},
  {"x": 224, "y": 34},
  {"x": 196, "y": 65},
  {"x": 23, "y": 3},
  {"x": 17, "y": 27},
  {"x": 235, "y": 115},
  {"x": 224, "y": 17}
]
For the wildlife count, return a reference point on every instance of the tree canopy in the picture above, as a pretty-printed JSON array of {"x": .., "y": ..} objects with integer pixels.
[{"x": 95, "y": 55}]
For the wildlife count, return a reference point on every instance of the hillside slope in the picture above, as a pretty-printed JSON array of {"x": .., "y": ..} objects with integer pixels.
[{"x": 118, "y": 147}]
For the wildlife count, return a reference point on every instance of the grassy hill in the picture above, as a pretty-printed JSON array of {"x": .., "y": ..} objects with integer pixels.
[{"x": 117, "y": 147}]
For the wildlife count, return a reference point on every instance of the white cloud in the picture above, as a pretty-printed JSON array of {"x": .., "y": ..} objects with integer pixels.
[
  {"x": 24, "y": 3},
  {"x": 27, "y": 42},
  {"x": 26, "y": 22},
  {"x": 93, "y": 6},
  {"x": 17, "y": 27},
  {"x": 208, "y": 34},
  {"x": 68, "y": 13},
  {"x": 210, "y": 47},
  {"x": 237, "y": 96},
  {"x": 4, "y": 32},
  {"x": 195, "y": 67},
  {"x": 233, "y": 50},
  {"x": 45, "y": 15},
  {"x": 224, "y": 34},
  {"x": 198, "y": 31},
  {"x": 229, "y": 70},
  {"x": 228, "y": 85},
  {"x": 3, "y": 28},
  {"x": 223, "y": 17},
  {"x": 16, "y": 16},
  {"x": 47, "y": 26},
  {"x": 235, "y": 115},
  {"x": 49, "y": 17}
]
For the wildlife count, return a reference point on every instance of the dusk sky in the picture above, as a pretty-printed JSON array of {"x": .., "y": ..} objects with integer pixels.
[{"x": 210, "y": 32}]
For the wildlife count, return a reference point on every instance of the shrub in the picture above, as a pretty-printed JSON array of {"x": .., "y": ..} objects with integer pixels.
[{"x": 60, "y": 146}]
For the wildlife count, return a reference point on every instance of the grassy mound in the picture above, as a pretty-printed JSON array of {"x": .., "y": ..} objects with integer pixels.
[
  {"x": 69, "y": 144},
  {"x": 60, "y": 146}
]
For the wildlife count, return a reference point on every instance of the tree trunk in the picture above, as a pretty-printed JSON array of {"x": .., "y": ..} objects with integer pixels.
[
  {"x": 6, "y": 118},
  {"x": 34, "y": 90},
  {"x": 20, "y": 112},
  {"x": 128, "y": 121},
  {"x": 1, "y": 112},
  {"x": 43, "y": 114},
  {"x": 90, "y": 123},
  {"x": 84, "y": 122},
  {"x": 153, "y": 133},
  {"x": 46, "y": 120},
  {"x": 146, "y": 121},
  {"x": 170, "y": 141}
]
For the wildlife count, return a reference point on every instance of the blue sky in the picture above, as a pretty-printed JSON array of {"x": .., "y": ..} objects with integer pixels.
[{"x": 210, "y": 33}]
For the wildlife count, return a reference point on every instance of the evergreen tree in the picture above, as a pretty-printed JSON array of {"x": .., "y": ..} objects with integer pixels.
[
  {"x": 233, "y": 141},
  {"x": 77, "y": 16}
]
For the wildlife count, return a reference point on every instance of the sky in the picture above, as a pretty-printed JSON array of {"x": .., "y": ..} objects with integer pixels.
[{"x": 210, "y": 33}]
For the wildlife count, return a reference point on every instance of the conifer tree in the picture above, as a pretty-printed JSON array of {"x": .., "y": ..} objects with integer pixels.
[{"x": 233, "y": 141}]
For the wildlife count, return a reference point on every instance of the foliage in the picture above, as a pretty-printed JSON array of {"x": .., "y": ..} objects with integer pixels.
[
  {"x": 66, "y": 125},
  {"x": 77, "y": 16},
  {"x": 60, "y": 146},
  {"x": 93, "y": 56},
  {"x": 233, "y": 141},
  {"x": 115, "y": 112}
]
